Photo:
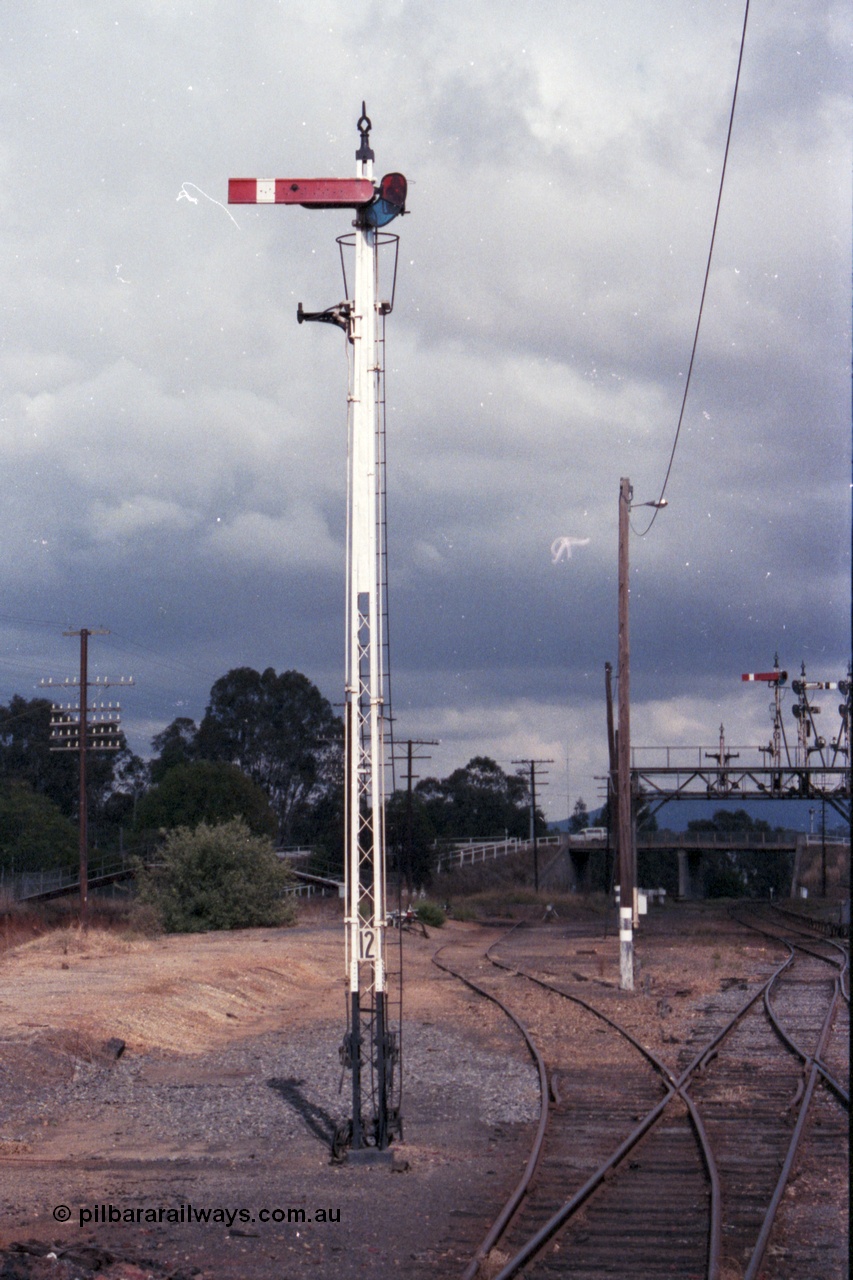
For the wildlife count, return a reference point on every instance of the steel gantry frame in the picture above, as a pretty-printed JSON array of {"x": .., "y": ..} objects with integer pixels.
[
  {"x": 813, "y": 769},
  {"x": 370, "y": 1048}
]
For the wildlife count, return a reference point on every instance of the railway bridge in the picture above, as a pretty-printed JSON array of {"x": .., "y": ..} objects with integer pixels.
[
  {"x": 814, "y": 865},
  {"x": 585, "y": 861}
]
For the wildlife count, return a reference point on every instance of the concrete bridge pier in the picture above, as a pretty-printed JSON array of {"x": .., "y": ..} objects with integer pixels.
[
  {"x": 579, "y": 861},
  {"x": 689, "y": 873}
]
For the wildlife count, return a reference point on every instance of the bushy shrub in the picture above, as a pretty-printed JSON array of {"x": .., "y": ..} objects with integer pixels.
[
  {"x": 431, "y": 913},
  {"x": 216, "y": 877},
  {"x": 724, "y": 882},
  {"x": 34, "y": 834}
]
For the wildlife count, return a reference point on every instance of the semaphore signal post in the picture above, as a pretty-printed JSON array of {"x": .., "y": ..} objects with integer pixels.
[{"x": 371, "y": 1045}]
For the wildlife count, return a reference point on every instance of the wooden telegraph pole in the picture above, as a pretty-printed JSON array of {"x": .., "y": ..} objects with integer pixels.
[
  {"x": 534, "y": 839},
  {"x": 623, "y": 772},
  {"x": 406, "y": 863},
  {"x": 82, "y": 727},
  {"x": 627, "y": 844}
]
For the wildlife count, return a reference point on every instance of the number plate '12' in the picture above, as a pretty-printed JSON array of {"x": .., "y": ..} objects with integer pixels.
[{"x": 367, "y": 944}]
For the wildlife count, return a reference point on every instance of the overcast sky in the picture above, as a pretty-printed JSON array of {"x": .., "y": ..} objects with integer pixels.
[{"x": 174, "y": 444}]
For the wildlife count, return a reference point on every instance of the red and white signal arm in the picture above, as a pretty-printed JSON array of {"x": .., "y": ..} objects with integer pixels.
[
  {"x": 773, "y": 676},
  {"x": 313, "y": 193}
]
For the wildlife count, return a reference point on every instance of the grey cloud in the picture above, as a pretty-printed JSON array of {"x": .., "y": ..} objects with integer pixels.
[{"x": 173, "y": 445}]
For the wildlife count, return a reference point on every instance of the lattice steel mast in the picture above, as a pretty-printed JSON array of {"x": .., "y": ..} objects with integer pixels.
[{"x": 370, "y": 1047}]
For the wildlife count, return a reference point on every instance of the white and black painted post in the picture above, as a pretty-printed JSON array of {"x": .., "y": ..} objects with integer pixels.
[
  {"x": 626, "y": 841},
  {"x": 370, "y": 1045}
]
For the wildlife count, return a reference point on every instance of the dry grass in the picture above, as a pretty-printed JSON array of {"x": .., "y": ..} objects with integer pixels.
[
  {"x": 521, "y": 903},
  {"x": 73, "y": 940}
]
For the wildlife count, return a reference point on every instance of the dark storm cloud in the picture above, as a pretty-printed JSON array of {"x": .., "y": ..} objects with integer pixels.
[{"x": 173, "y": 444}]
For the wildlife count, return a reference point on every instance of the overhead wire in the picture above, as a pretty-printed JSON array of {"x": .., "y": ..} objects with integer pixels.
[
  {"x": 177, "y": 664},
  {"x": 694, "y": 347}
]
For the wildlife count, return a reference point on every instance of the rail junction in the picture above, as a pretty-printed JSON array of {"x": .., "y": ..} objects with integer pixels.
[{"x": 710, "y": 1161}]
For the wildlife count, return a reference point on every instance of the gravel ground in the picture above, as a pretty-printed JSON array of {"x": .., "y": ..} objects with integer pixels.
[
  {"x": 245, "y": 1122},
  {"x": 227, "y": 1092},
  {"x": 259, "y": 1092}
]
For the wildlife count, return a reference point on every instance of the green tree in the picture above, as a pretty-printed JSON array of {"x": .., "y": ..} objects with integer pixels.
[
  {"x": 724, "y": 881},
  {"x": 25, "y": 756},
  {"x": 727, "y": 822},
  {"x": 753, "y": 872},
  {"x": 216, "y": 877},
  {"x": 177, "y": 744},
  {"x": 479, "y": 800},
  {"x": 410, "y": 838},
  {"x": 34, "y": 834},
  {"x": 321, "y": 825},
  {"x": 112, "y": 809},
  {"x": 282, "y": 732},
  {"x": 205, "y": 791},
  {"x": 579, "y": 820}
]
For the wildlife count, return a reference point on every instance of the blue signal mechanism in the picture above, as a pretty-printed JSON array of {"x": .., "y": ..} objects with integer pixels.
[{"x": 389, "y": 203}]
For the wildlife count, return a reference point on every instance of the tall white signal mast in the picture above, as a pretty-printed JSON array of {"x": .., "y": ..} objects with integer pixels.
[{"x": 370, "y": 1048}]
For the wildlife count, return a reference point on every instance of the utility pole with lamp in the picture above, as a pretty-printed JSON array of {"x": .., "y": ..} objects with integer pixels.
[{"x": 627, "y": 844}]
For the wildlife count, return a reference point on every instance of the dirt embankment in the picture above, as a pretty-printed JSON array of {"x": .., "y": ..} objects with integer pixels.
[{"x": 181, "y": 994}]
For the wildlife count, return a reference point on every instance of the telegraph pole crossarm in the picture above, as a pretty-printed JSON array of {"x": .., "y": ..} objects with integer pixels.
[
  {"x": 83, "y": 728},
  {"x": 370, "y": 1048},
  {"x": 410, "y": 757},
  {"x": 534, "y": 839}
]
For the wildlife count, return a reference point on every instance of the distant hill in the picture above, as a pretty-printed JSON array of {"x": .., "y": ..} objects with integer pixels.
[{"x": 790, "y": 815}]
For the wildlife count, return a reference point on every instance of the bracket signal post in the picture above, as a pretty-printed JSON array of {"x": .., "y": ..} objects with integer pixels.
[{"x": 370, "y": 1048}]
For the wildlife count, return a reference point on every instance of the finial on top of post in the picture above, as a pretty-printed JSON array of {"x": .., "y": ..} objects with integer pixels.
[{"x": 364, "y": 126}]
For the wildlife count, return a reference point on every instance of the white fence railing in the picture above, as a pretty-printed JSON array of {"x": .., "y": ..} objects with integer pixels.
[
  {"x": 20, "y": 885},
  {"x": 467, "y": 855}
]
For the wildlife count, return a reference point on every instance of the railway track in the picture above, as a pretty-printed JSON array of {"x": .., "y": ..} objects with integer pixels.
[{"x": 647, "y": 1169}]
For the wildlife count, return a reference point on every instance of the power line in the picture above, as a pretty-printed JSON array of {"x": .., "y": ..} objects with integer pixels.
[
  {"x": 32, "y": 622},
  {"x": 162, "y": 660},
  {"x": 125, "y": 643},
  {"x": 707, "y": 275}
]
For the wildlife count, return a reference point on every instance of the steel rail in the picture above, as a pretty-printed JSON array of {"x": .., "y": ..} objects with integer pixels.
[
  {"x": 829, "y": 928},
  {"x": 501, "y": 1222},
  {"x": 544, "y": 1234},
  {"x": 843, "y": 948},
  {"x": 809, "y": 1059},
  {"x": 760, "y": 1247},
  {"x": 775, "y": 937},
  {"x": 672, "y": 1090},
  {"x": 843, "y": 969},
  {"x": 675, "y": 1088}
]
